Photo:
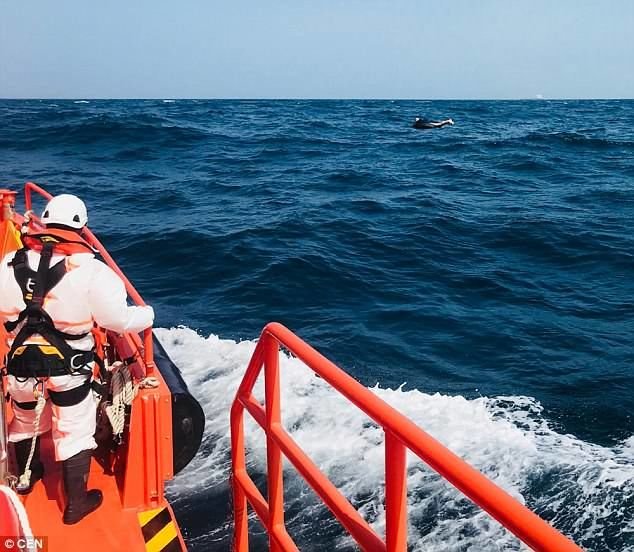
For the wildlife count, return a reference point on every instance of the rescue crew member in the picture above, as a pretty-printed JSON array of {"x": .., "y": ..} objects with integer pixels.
[{"x": 52, "y": 292}]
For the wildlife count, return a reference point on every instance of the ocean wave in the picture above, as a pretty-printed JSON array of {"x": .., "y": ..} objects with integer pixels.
[
  {"x": 567, "y": 139},
  {"x": 581, "y": 488},
  {"x": 559, "y": 243},
  {"x": 106, "y": 129},
  {"x": 578, "y": 139}
]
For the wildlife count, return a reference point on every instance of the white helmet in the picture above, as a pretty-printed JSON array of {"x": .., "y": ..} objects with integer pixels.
[{"x": 67, "y": 210}]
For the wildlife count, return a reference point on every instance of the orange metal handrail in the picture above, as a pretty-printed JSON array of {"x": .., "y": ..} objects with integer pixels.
[
  {"x": 400, "y": 434},
  {"x": 148, "y": 347}
]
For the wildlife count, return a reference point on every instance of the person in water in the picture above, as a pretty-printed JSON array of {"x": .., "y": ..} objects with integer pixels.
[
  {"x": 52, "y": 292},
  {"x": 421, "y": 122}
]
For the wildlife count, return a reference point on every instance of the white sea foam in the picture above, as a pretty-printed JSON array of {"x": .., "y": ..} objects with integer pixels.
[
  {"x": 81, "y": 101},
  {"x": 582, "y": 487}
]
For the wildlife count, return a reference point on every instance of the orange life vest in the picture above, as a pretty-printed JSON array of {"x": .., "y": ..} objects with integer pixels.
[{"x": 65, "y": 242}]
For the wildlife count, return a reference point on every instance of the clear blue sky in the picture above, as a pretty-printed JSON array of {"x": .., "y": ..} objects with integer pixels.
[{"x": 316, "y": 49}]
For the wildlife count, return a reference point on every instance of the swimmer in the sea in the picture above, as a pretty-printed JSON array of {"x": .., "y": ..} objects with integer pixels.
[{"x": 420, "y": 122}]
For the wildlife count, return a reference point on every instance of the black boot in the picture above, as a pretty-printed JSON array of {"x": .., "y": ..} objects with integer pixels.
[
  {"x": 22, "y": 451},
  {"x": 79, "y": 502}
]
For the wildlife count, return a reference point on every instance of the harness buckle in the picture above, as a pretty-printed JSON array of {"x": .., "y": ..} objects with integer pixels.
[
  {"x": 38, "y": 389},
  {"x": 73, "y": 366}
]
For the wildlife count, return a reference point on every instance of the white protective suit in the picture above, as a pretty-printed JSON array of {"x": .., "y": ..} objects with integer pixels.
[{"x": 90, "y": 291}]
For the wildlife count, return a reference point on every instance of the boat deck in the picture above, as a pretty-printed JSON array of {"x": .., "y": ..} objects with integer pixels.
[{"x": 108, "y": 528}]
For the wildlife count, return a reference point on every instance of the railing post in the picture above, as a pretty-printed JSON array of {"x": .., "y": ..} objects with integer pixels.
[
  {"x": 275, "y": 482},
  {"x": 240, "y": 517},
  {"x": 395, "y": 494}
]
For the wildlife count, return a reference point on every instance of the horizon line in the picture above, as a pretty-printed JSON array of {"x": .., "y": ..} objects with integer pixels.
[{"x": 243, "y": 98}]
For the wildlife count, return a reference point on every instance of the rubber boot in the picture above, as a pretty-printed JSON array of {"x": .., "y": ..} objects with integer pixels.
[
  {"x": 79, "y": 501},
  {"x": 22, "y": 451}
]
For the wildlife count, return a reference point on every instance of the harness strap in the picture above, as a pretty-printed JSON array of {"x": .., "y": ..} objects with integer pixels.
[
  {"x": 28, "y": 405},
  {"x": 25, "y": 276},
  {"x": 41, "y": 278},
  {"x": 33, "y": 363},
  {"x": 10, "y": 326},
  {"x": 72, "y": 396},
  {"x": 35, "y": 285}
]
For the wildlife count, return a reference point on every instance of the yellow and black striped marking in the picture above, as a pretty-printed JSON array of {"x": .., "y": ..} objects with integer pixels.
[{"x": 159, "y": 531}]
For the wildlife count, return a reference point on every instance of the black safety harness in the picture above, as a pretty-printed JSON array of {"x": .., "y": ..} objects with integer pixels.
[{"x": 57, "y": 359}]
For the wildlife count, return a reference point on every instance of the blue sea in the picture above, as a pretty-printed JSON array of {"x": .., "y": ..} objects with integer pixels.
[{"x": 479, "y": 277}]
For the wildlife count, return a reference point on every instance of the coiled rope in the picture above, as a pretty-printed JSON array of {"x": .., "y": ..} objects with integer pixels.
[{"x": 123, "y": 390}]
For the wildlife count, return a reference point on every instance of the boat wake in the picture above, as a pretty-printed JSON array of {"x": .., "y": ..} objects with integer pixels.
[{"x": 585, "y": 490}]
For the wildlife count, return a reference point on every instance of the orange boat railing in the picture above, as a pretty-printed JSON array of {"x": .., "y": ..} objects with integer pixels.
[
  {"x": 400, "y": 434},
  {"x": 147, "y": 346}
]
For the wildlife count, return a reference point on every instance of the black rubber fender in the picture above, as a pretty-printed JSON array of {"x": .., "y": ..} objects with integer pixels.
[{"x": 188, "y": 418}]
